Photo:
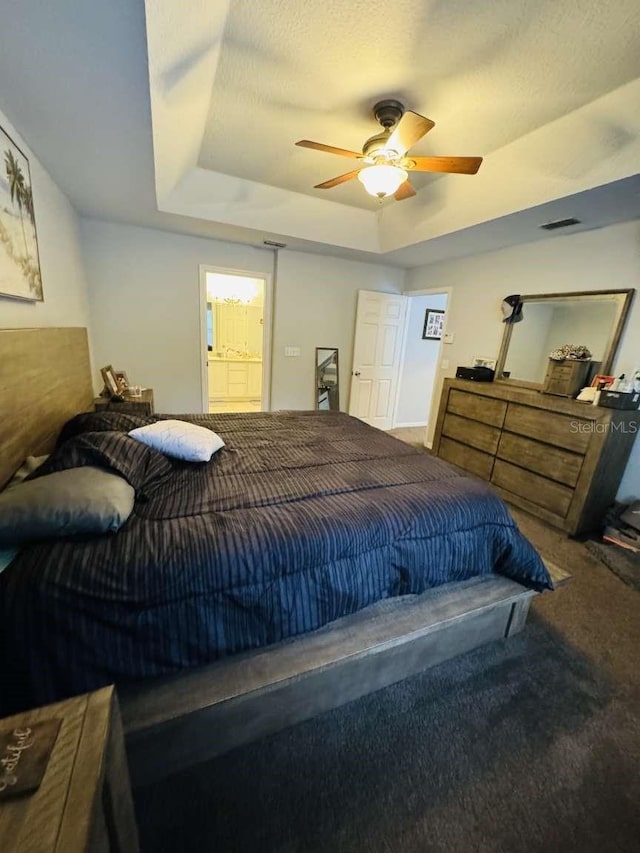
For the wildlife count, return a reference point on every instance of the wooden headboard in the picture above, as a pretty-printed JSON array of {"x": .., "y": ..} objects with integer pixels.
[{"x": 45, "y": 378}]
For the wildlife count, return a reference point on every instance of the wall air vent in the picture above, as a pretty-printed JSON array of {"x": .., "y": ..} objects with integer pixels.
[
  {"x": 560, "y": 223},
  {"x": 274, "y": 245}
]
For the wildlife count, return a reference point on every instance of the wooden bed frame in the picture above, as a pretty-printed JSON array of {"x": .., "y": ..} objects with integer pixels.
[{"x": 172, "y": 722}]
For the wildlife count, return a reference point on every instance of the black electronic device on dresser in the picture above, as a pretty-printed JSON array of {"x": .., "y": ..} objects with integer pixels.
[{"x": 476, "y": 374}]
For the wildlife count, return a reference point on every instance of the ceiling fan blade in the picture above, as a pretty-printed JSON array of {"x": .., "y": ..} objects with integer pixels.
[
  {"x": 411, "y": 127},
  {"x": 454, "y": 165},
  {"x": 404, "y": 191},
  {"x": 341, "y": 179},
  {"x": 330, "y": 149}
]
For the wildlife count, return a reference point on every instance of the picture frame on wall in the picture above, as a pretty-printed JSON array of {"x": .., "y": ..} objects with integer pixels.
[
  {"x": 433, "y": 325},
  {"x": 20, "y": 275}
]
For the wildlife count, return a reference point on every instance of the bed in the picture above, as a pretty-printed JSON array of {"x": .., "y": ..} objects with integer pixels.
[{"x": 312, "y": 560}]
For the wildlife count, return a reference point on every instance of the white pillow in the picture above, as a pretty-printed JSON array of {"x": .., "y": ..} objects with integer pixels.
[{"x": 180, "y": 439}]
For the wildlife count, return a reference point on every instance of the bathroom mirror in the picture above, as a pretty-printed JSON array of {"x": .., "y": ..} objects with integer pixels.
[
  {"x": 594, "y": 318},
  {"x": 327, "y": 379}
]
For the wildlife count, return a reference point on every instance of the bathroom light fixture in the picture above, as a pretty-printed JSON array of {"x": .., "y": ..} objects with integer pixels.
[
  {"x": 230, "y": 291},
  {"x": 382, "y": 180}
]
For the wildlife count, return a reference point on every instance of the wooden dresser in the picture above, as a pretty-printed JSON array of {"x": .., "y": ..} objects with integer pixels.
[{"x": 558, "y": 459}]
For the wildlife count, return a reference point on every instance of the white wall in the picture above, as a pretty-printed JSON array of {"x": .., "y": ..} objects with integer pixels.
[
  {"x": 316, "y": 307},
  {"x": 419, "y": 367},
  {"x": 144, "y": 302},
  {"x": 63, "y": 277},
  {"x": 591, "y": 260}
]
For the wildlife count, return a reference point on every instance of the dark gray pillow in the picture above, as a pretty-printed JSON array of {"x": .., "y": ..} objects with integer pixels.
[
  {"x": 100, "y": 422},
  {"x": 141, "y": 466},
  {"x": 79, "y": 500}
]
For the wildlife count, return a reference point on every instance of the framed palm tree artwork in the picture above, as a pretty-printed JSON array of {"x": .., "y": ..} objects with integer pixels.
[{"x": 20, "y": 275}]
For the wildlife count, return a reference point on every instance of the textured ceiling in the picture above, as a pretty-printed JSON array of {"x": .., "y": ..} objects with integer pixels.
[
  {"x": 486, "y": 73},
  {"x": 114, "y": 104}
]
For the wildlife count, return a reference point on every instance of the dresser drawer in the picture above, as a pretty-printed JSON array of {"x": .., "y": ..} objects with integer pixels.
[
  {"x": 476, "y": 461},
  {"x": 237, "y": 372},
  {"x": 562, "y": 386},
  {"x": 536, "y": 489},
  {"x": 567, "y": 370},
  {"x": 550, "y": 427},
  {"x": 555, "y": 463},
  {"x": 470, "y": 432},
  {"x": 477, "y": 407}
]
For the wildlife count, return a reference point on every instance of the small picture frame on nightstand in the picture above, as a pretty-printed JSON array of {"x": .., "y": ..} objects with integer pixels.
[
  {"x": 110, "y": 380},
  {"x": 123, "y": 381}
]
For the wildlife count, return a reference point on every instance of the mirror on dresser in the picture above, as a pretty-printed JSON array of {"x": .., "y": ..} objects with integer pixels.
[
  {"x": 549, "y": 321},
  {"x": 327, "y": 380}
]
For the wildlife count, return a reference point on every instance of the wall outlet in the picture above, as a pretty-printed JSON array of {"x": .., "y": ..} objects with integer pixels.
[
  {"x": 292, "y": 351},
  {"x": 444, "y": 364}
]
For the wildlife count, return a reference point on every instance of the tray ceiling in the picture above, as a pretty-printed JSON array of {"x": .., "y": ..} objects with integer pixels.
[
  {"x": 486, "y": 73},
  {"x": 183, "y": 116},
  {"x": 544, "y": 91}
]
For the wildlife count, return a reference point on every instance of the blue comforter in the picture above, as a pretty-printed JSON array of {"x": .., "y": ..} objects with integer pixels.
[{"x": 302, "y": 518}]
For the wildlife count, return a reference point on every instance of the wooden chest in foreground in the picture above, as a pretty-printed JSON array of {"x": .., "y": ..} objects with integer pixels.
[{"x": 84, "y": 801}]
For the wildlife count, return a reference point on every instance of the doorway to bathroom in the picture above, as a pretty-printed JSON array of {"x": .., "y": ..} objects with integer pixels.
[{"x": 236, "y": 338}]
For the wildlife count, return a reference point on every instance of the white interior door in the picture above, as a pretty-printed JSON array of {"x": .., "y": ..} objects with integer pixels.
[{"x": 380, "y": 322}]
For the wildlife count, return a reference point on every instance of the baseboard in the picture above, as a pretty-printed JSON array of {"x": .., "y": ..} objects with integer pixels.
[{"x": 406, "y": 426}]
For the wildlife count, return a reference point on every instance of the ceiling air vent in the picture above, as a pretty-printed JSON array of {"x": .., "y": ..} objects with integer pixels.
[{"x": 560, "y": 223}]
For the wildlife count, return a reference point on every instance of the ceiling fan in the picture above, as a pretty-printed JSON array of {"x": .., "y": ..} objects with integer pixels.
[{"x": 385, "y": 164}]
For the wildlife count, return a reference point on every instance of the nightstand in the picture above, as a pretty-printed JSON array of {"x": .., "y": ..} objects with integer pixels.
[
  {"x": 84, "y": 800},
  {"x": 131, "y": 405}
]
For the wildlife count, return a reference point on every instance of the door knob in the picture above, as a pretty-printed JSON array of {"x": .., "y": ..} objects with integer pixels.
[{"x": 357, "y": 373}]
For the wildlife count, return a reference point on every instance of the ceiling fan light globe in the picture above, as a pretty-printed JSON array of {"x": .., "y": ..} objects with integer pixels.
[{"x": 381, "y": 181}]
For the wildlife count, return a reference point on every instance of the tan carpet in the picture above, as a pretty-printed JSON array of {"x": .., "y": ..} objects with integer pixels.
[{"x": 412, "y": 435}]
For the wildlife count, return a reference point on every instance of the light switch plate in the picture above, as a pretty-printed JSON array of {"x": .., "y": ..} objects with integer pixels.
[
  {"x": 292, "y": 351},
  {"x": 448, "y": 338}
]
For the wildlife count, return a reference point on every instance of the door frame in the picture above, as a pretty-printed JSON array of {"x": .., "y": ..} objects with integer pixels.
[
  {"x": 435, "y": 394},
  {"x": 266, "y": 330}
]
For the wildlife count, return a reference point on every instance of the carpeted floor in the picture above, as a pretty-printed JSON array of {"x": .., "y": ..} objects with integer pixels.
[
  {"x": 526, "y": 745},
  {"x": 412, "y": 435},
  {"x": 625, "y": 564}
]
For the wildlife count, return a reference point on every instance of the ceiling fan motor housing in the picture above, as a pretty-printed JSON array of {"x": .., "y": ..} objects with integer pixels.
[
  {"x": 388, "y": 113},
  {"x": 377, "y": 146}
]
